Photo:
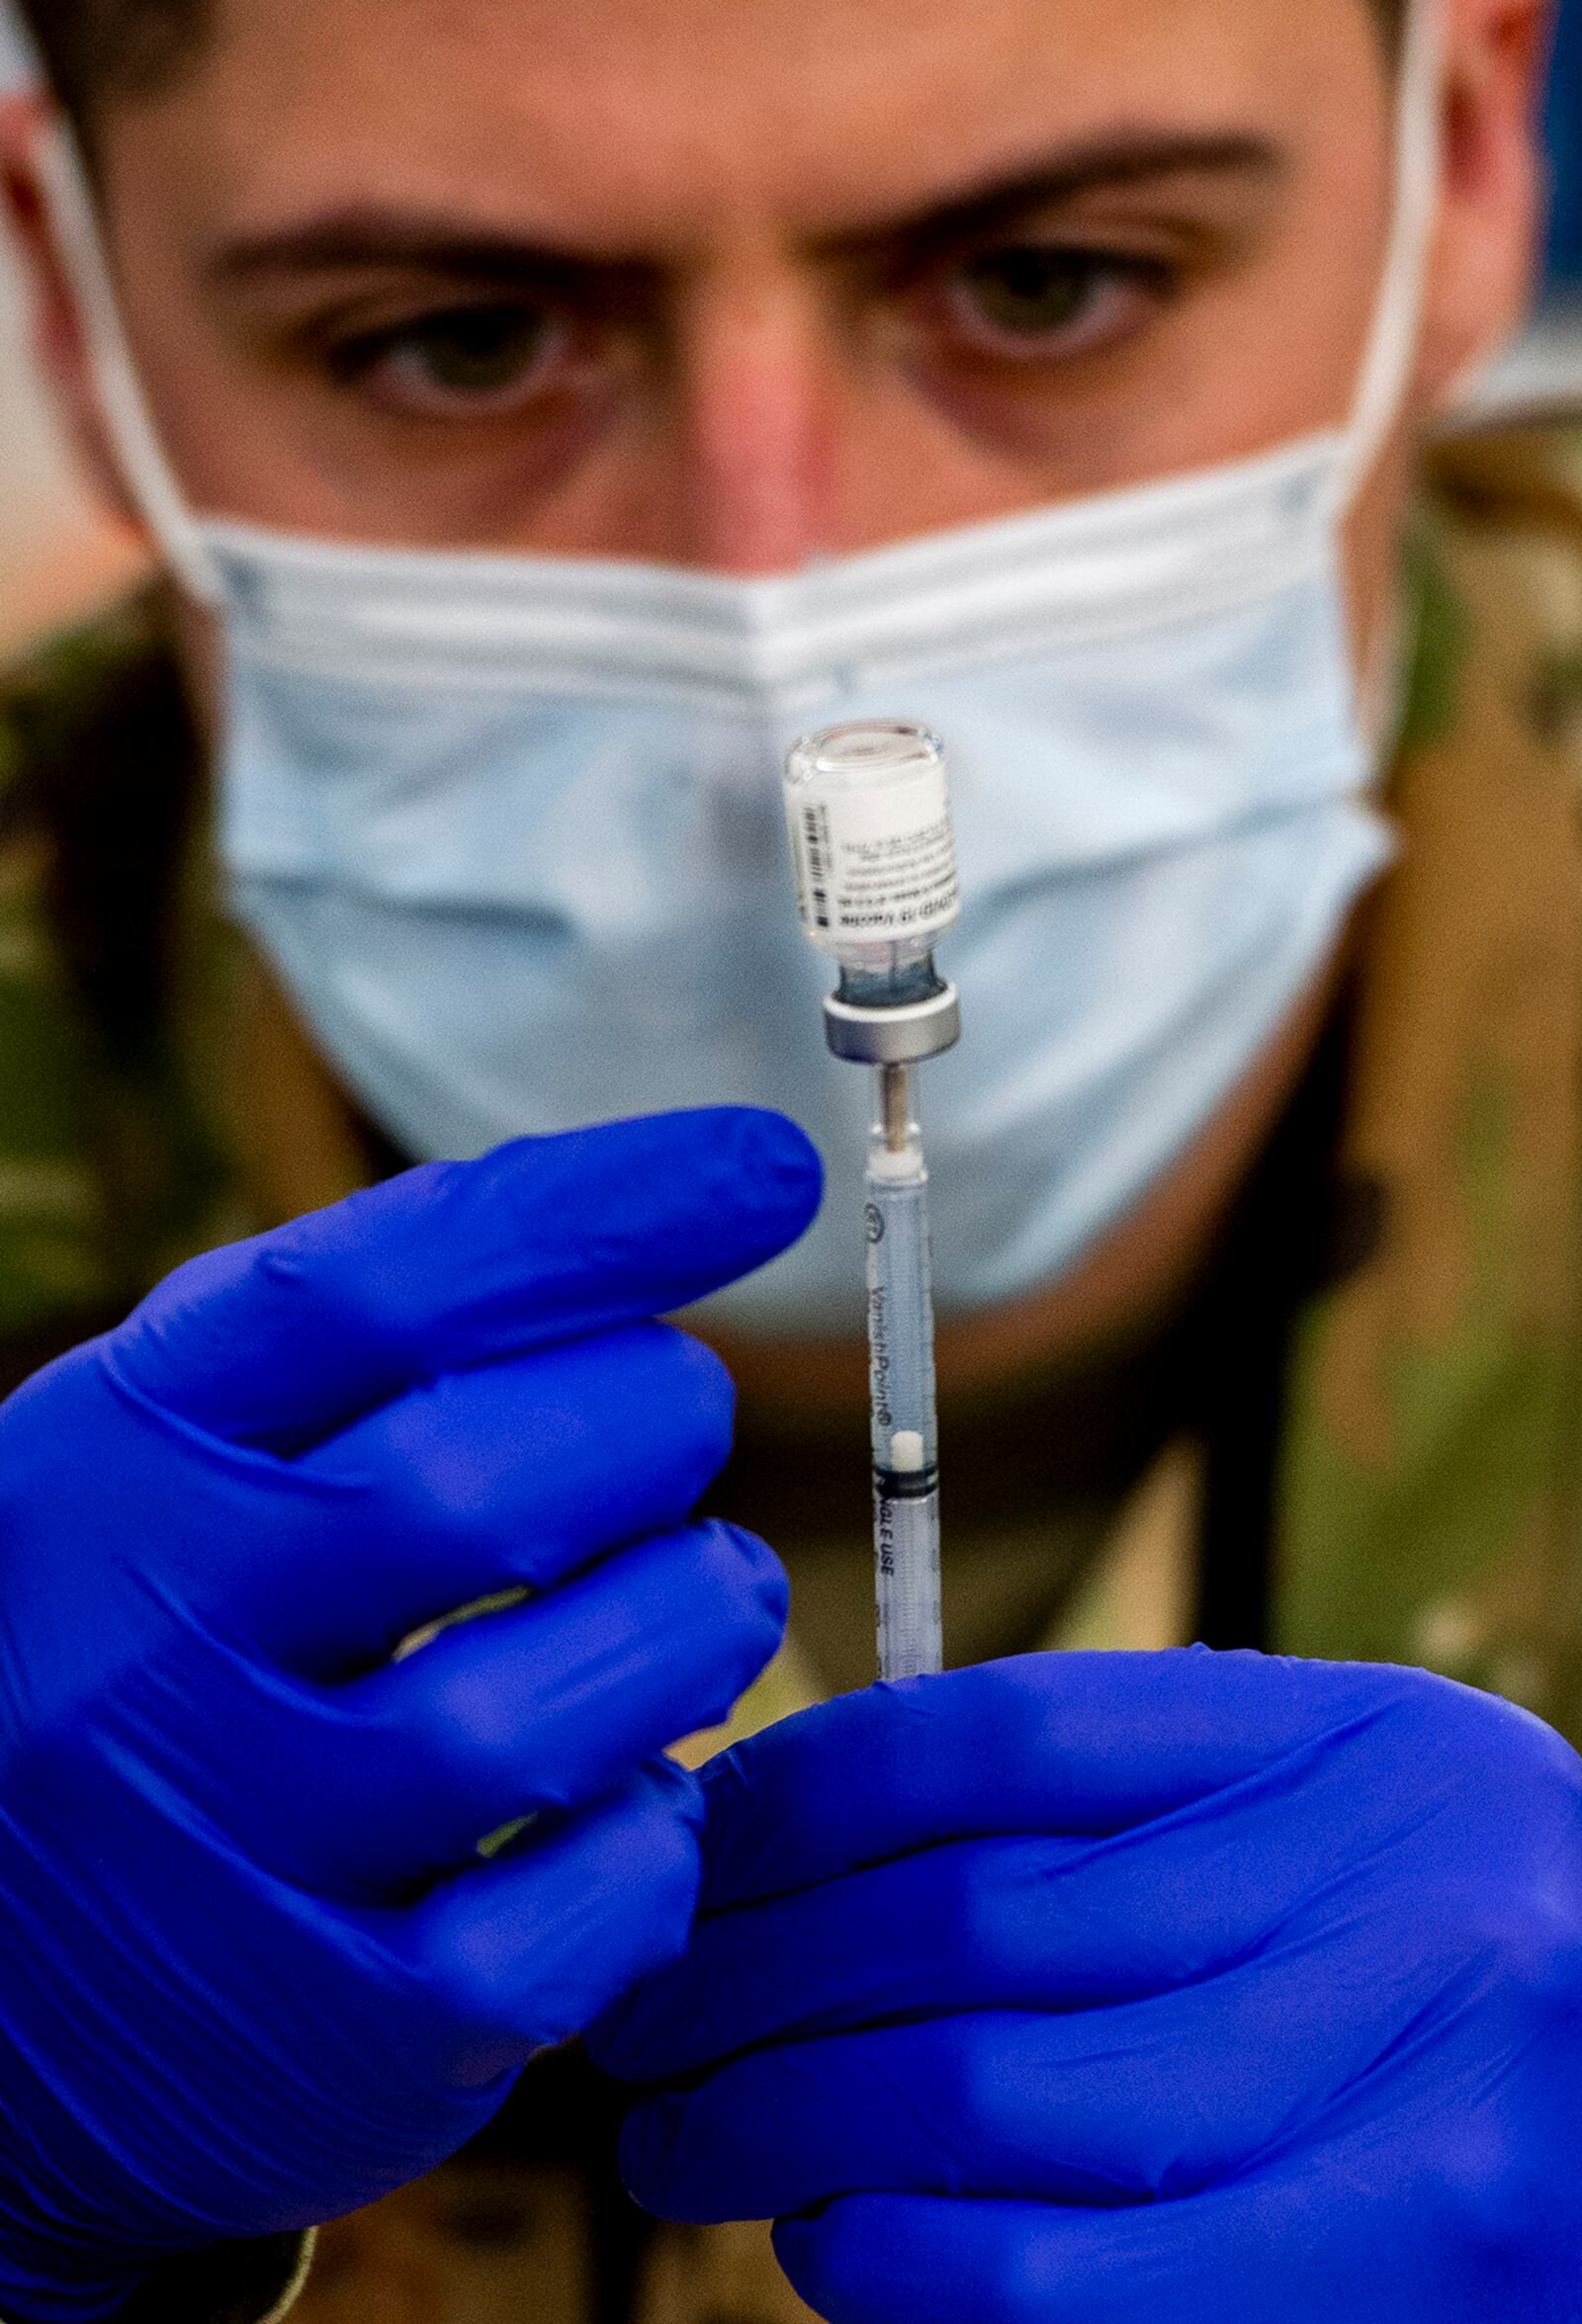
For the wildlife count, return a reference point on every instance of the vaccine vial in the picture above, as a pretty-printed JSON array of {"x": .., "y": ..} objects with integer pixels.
[{"x": 874, "y": 854}]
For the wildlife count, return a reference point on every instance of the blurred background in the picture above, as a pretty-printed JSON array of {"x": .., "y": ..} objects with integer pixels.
[
  {"x": 55, "y": 555},
  {"x": 1565, "y": 145}
]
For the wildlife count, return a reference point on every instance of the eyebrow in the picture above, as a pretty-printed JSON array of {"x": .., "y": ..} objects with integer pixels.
[
  {"x": 366, "y": 235},
  {"x": 1100, "y": 165}
]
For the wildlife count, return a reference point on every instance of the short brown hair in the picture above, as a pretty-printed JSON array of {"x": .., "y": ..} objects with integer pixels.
[{"x": 94, "y": 48}]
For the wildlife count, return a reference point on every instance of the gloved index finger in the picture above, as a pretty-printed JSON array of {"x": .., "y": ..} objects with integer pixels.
[
  {"x": 281, "y": 1340},
  {"x": 1083, "y": 1745}
]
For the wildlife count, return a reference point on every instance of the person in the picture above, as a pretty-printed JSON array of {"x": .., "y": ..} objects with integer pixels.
[{"x": 524, "y": 468}]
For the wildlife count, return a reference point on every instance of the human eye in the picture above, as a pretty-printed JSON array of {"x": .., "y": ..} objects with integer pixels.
[
  {"x": 1030, "y": 300},
  {"x": 475, "y": 360}
]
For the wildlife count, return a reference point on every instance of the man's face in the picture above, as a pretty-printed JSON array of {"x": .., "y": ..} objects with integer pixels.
[{"x": 734, "y": 282}]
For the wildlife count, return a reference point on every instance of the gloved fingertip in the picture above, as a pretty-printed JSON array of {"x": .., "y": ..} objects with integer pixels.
[
  {"x": 607, "y": 2039},
  {"x": 774, "y": 1142},
  {"x": 646, "y": 2152},
  {"x": 793, "y": 2239},
  {"x": 773, "y": 1161},
  {"x": 676, "y": 1789},
  {"x": 801, "y": 2244},
  {"x": 768, "y": 1579},
  {"x": 855, "y": 2261}
]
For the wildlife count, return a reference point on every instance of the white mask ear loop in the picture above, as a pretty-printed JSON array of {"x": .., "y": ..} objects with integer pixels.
[
  {"x": 1391, "y": 356},
  {"x": 73, "y": 217}
]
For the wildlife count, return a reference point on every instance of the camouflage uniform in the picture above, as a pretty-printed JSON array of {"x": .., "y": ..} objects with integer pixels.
[{"x": 1383, "y": 1461}]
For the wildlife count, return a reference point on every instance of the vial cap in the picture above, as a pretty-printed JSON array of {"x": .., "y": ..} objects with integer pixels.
[{"x": 863, "y": 753}]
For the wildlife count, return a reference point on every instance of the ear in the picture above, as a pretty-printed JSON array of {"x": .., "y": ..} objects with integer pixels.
[
  {"x": 1485, "y": 247},
  {"x": 58, "y": 342}
]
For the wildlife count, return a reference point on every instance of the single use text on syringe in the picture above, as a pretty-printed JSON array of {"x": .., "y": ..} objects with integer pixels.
[{"x": 871, "y": 840}]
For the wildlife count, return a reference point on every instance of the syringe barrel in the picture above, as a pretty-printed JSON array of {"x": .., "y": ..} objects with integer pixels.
[{"x": 905, "y": 1457}]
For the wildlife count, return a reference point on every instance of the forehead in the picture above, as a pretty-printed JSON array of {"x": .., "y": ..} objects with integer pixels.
[{"x": 619, "y": 120}]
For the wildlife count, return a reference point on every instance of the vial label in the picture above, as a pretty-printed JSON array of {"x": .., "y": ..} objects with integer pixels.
[{"x": 875, "y": 866}]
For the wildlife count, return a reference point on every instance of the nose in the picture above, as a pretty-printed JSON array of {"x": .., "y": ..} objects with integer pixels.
[{"x": 754, "y": 417}]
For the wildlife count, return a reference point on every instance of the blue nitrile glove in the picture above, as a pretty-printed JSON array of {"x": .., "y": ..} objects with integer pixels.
[
  {"x": 252, "y": 1970},
  {"x": 1163, "y": 1989}
]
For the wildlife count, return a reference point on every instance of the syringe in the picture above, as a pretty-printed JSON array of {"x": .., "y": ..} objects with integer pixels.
[{"x": 875, "y": 859}]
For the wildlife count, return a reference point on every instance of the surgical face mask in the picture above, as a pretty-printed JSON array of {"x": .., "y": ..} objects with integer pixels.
[{"x": 511, "y": 828}]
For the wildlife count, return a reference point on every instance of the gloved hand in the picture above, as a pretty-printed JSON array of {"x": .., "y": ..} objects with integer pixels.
[
  {"x": 1149, "y": 1989},
  {"x": 253, "y": 1971}
]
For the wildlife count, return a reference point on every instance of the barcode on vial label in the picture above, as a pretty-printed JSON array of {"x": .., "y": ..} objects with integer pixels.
[{"x": 817, "y": 868}]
